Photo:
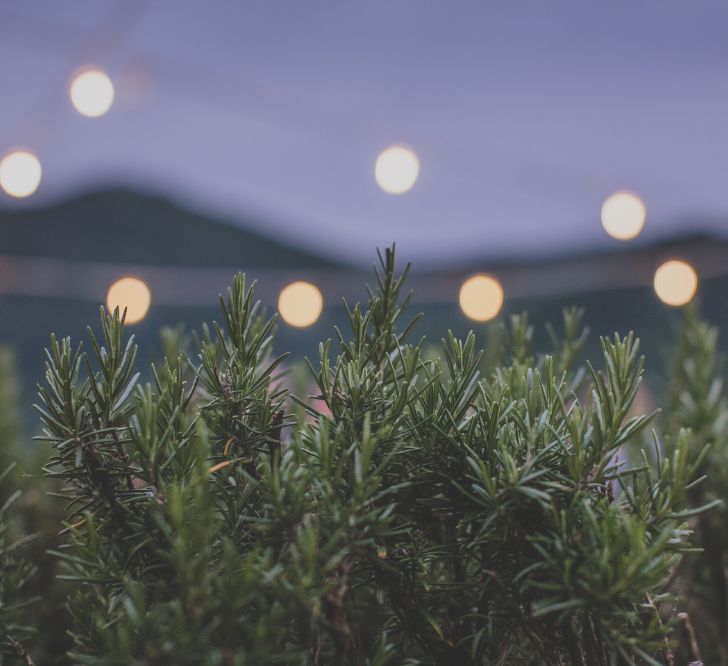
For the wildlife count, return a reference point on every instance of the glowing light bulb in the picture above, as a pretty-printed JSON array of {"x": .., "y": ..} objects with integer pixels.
[
  {"x": 481, "y": 297},
  {"x": 623, "y": 215},
  {"x": 92, "y": 93},
  {"x": 397, "y": 169},
  {"x": 130, "y": 293},
  {"x": 20, "y": 173},
  {"x": 675, "y": 282},
  {"x": 300, "y": 304}
]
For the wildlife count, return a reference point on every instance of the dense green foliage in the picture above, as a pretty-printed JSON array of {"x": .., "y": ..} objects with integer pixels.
[
  {"x": 16, "y": 569},
  {"x": 15, "y": 573},
  {"x": 426, "y": 509},
  {"x": 697, "y": 400}
]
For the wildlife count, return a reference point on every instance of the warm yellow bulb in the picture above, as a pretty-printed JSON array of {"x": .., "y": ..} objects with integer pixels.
[
  {"x": 623, "y": 215},
  {"x": 92, "y": 93},
  {"x": 481, "y": 297},
  {"x": 676, "y": 282},
  {"x": 20, "y": 173},
  {"x": 300, "y": 304},
  {"x": 130, "y": 293},
  {"x": 397, "y": 169}
]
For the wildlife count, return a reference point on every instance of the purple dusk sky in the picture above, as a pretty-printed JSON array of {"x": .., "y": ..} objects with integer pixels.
[{"x": 525, "y": 115}]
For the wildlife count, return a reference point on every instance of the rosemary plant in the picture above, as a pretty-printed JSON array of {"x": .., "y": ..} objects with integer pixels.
[
  {"x": 415, "y": 511},
  {"x": 697, "y": 400}
]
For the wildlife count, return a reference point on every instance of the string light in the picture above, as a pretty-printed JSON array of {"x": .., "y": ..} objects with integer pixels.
[
  {"x": 20, "y": 173},
  {"x": 623, "y": 215},
  {"x": 300, "y": 304},
  {"x": 92, "y": 92},
  {"x": 130, "y": 293},
  {"x": 397, "y": 169},
  {"x": 675, "y": 282},
  {"x": 481, "y": 297}
]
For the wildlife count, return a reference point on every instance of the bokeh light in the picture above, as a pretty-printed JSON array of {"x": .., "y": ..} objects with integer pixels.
[
  {"x": 130, "y": 293},
  {"x": 92, "y": 93},
  {"x": 20, "y": 173},
  {"x": 675, "y": 282},
  {"x": 397, "y": 169},
  {"x": 300, "y": 304},
  {"x": 623, "y": 215},
  {"x": 481, "y": 297}
]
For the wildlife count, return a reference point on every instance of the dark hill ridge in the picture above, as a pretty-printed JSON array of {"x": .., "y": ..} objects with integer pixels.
[{"x": 128, "y": 227}]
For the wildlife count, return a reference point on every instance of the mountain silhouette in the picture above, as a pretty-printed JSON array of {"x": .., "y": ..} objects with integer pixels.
[{"x": 128, "y": 227}]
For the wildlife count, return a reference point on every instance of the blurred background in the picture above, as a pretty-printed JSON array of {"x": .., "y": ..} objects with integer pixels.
[{"x": 523, "y": 155}]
